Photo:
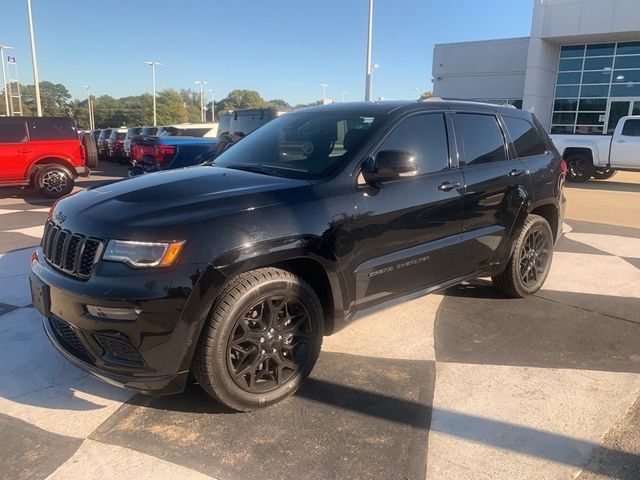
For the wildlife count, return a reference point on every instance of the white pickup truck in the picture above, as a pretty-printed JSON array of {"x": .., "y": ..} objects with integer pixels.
[{"x": 599, "y": 156}]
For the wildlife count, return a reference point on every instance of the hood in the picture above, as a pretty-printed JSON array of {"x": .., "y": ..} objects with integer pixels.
[{"x": 153, "y": 204}]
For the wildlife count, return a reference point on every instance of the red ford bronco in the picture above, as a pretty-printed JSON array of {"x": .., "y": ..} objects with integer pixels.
[{"x": 45, "y": 152}]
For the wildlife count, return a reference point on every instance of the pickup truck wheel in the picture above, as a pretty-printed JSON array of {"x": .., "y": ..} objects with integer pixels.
[
  {"x": 530, "y": 261},
  {"x": 603, "y": 173},
  {"x": 54, "y": 181},
  {"x": 262, "y": 339},
  {"x": 90, "y": 150},
  {"x": 579, "y": 168}
]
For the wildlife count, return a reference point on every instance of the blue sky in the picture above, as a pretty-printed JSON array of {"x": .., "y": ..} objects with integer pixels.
[{"x": 282, "y": 48}]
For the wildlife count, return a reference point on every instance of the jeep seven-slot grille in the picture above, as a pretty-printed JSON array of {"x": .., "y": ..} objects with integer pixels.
[{"x": 70, "y": 252}]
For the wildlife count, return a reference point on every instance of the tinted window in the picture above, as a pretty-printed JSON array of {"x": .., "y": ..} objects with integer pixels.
[
  {"x": 13, "y": 133},
  {"x": 631, "y": 128},
  {"x": 526, "y": 140},
  {"x": 52, "y": 129},
  {"x": 480, "y": 137},
  {"x": 424, "y": 136}
]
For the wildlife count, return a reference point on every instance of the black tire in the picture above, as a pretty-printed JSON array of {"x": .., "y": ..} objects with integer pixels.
[
  {"x": 90, "y": 151},
  {"x": 603, "y": 173},
  {"x": 54, "y": 181},
  {"x": 530, "y": 261},
  {"x": 266, "y": 323},
  {"x": 579, "y": 168}
]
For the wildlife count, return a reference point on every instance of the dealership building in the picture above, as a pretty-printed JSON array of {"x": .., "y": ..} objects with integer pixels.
[{"x": 578, "y": 71}]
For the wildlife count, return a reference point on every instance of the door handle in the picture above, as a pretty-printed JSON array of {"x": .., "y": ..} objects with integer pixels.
[
  {"x": 25, "y": 151},
  {"x": 516, "y": 173},
  {"x": 620, "y": 141},
  {"x": 446, "y": 186}
]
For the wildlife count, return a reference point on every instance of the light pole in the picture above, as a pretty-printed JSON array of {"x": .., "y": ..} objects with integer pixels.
[
  {"x": 324, "y": 91},
  {"x": 344, "y": 94},
  {"x": 153, "y": 83},
  {"x": 213, "y": 105},
  {"x": 4, "y": 79},
  {"x": 202, "y": 83},
  {"x": 369, "y": 68},
  {"x": 34, "y": 60},
  {"x": 373, "y": 67},
  {"x": 90, "y": 107}
]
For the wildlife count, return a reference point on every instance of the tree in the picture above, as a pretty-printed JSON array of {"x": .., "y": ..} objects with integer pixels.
[
  {"x": 277, "y": 102},
  {"x": 54, "y": 98},
  {"x": 241, "y": 99},
  {"x": 171, "y": 107}
]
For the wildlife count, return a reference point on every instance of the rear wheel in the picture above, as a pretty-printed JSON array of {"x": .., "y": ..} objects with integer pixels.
[
  {"x": 54, "y": 181},
  {"x": 579, "y": 168},
  {"x": 262, "y": 339},
  {"x": 530, "y": 261},
  {"x": 603, "y": 173}
]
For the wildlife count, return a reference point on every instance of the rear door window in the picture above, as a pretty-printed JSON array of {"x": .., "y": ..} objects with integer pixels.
[
  {"x": 480, "y": 138},
  {"x": 526, "y": 139},
  {"x": 13, "y": 132},
  {"x": 52, "y": 129}
]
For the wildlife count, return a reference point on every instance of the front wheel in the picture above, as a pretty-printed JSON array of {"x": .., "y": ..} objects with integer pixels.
[
  {"x": 603, "y": 173},
  {"x": 530, "y": 261},
  {"x": 262, "y": 339}
]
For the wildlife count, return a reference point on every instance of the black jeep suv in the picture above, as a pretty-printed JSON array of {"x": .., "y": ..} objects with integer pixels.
[{"x": 235, "y": 270}]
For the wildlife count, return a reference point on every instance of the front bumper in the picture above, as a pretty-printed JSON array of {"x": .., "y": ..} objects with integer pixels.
[{"x": 150, "y": 352}]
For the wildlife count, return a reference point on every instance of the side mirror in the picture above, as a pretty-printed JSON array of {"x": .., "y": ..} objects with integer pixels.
[{"x": 390, "y": 165}]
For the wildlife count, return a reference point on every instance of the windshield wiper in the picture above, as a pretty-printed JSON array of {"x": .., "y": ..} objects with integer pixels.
[{"x": 252, "y": 167}]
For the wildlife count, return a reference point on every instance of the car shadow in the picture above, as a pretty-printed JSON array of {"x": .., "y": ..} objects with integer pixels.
[{"x": 605, "y": 185}]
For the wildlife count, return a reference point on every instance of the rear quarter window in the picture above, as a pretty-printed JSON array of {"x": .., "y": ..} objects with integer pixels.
[
  {"x": 52, "y": 129},
  {"x": 526, "y": 139}
]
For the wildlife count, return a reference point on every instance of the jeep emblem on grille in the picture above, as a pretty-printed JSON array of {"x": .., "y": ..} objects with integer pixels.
[{"x": 60, "y": 217}]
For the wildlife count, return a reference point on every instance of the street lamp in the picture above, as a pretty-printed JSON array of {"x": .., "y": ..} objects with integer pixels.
[
  {"x": 374, "y": 66},
  {"x": 4, "y": 78},
  {"x": 369, "y": 69},
  {"x": 90, "y": 107},
  {"x": 202, "y": 83},
  {"x": 213, "y": 103},
  {"x": 153, "y": 82},
  {"x": 34, "y": 60},
  {"x": 324, "y": 91}
]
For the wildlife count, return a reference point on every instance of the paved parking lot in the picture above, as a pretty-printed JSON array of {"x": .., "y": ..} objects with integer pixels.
[{"x": 463, "y": 385}]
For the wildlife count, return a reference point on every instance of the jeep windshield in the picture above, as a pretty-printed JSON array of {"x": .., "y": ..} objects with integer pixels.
[{"x": 305, "y": 145}]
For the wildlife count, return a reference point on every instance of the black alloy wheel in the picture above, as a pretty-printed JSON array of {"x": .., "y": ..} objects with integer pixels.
[
  {"x": 579, "y": 168},
  {"x": 534, "y": 256},
  {"x": 262, "y": 339},
  {"x": 269, "y": 344},
  {"x": 530, "y": 262}
]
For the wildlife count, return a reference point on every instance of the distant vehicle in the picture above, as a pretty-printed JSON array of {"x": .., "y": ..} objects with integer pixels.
[
  {"x": 202, "y": 130},
  {"x": 105, "y": 133},
  {"x": 45, "y": 152},
  {"x": 233, "y": 272},
  {"x": 144, "y": 132},
  {"x": 132, "y": 132},
  {"x": 599, "y": 156},
  {"x": 169, "y": 152},
  {"x": 245, "y": 121},
  {"x": 115, "y": 144}
]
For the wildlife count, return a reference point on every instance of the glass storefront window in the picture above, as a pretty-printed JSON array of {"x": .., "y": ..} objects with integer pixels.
[
  {"x": 598, "y": 63},
  {"x": 594, "y": 91},
  {"x": 632, "y": 61},
  {"x": 589, "y": 78},
  {"x": 628, "y": 48},
  {"x": 571, "y": 51}
]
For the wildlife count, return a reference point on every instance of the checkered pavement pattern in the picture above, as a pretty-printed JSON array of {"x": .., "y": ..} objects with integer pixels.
[
  {"x": 463, "y": 386},
  {"x": 21, "y": 223}
]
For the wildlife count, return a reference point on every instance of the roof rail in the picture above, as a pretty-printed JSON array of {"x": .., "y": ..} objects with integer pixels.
[{"x": 464, "y": 100}]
